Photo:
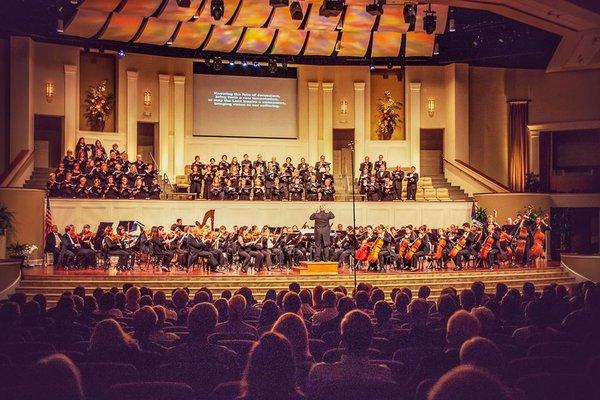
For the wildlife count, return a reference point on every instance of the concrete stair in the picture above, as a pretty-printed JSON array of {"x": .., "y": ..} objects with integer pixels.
[
  {"x": 38, "y": 179},
  {"x": 53, "y": 284}
]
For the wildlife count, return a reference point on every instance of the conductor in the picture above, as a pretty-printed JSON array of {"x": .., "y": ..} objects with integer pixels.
[{"x": 322, "y": 232}]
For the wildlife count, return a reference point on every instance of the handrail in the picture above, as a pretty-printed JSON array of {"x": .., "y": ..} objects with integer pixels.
[
  {"x": 15, "y": 166},
  {"x": 479, "y": 176}
]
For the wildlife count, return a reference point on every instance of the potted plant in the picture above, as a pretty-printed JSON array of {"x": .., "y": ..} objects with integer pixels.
[
  {"x": 6, "y": 223},
  {"x": 22, "y": 252}
]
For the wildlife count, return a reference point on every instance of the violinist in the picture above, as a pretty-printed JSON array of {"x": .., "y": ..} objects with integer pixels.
[
  {"x": 159, "y": 247},
  {"x": 466, "y": 244},
  {"x": 490, "y": 247},
  {"x": 198, "y": 248},
  {"x": 346, "y": 248},
  {"x": 113, "y": 246},
  {"x": 245, "y": 241},
  {"x": 86, "y": 237}
]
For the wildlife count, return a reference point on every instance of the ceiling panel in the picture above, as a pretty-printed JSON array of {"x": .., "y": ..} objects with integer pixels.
[
  {"x": 157, "y": 31},
  {"x": 392, "y": 19},
  {"x": 419, "y": 44},
  {"x": 191, "y": 35},
  {"x": 283, "y": 20},
  {"x": 141, "y": 8},
  {"x": 354, "y": 44},
  {"x": 386, "y": 44},
  {"x": 289, "y": 42},
  {"x": 256, "y": 40},
  {"x": 86, "y": 23},
  {"x": 173, "y": 12},
  {"x": 315, "y": 21},
  {"x": 358, "y": 19},
  {"x": 253, "y": 13},
  {"x": 122, "y": 27},
  {"x": 321, "y": 43},
  {"x": 100, "y": 5},
  {"x": 224, "y": 38},
  {"x": 230, "y": 7}
]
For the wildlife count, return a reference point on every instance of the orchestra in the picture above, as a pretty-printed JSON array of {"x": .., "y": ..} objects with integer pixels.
[{"x": 519, "y": 242}]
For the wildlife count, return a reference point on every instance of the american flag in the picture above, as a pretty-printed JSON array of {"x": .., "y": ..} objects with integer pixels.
[{"x": 48, "y": 221}]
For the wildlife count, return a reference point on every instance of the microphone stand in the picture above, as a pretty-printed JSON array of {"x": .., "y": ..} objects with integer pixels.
[{"x": 352, "y": 260}]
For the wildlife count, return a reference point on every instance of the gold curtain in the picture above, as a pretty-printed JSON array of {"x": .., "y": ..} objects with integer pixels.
[{"x": 518, "y": 144}]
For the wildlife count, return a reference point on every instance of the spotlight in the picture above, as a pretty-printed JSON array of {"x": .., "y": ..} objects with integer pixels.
[
  {"x": 436, "y": 49},
  {"x": 390, "y": 65},
  {"x": 244, "y": 63},
  {"x": 451, "y": 22},
  {"x": 296, "y": 11},
  {"x": 74, "y": 2},
  {"x": 217, "y": 9},
  {"x": 331, "y": 8},
  {"x": 272, "y": 65},
  {"x": 376, "y": 8},
  {"x": 284, "y": 64},
  {"x": 256, "y": 64},
  {"x": 231, "y": 62},
  {"x": 410, "y": 13},
  {"x": 195, "y": 17},
  {"x": 279, "y": 3},
  {"x": 217, "y": 64},
  {"x": 372, "y": 66},
  {"x": 60, "y": 26},
  {"x": 429, "y": 21},
  {"x": 170, "y": 41},
  {"x": 184, "y": 3},
  {"x": 121, "y": 53}
]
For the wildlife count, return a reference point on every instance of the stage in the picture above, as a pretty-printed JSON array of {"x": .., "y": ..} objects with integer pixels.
[
  {"x": 229, "y": 213},
  {"x": 53, "y": 282}
]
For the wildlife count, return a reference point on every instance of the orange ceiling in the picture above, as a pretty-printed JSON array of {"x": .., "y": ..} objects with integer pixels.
[{"x": 254, "y": 27}]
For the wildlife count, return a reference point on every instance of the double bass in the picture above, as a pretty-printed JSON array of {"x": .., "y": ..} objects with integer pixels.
[
  {"x": 522, "y": 235},
  {"x": 539, "y": 237}
]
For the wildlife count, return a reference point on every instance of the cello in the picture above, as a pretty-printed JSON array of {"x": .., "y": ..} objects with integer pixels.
[
  {"x": 414, "y": 247},
  {"x": 403, "y": 247},
  {"x": 375, "y": 249},
  {"x": 460, "y": 244},
  {"x": 439, "y": 249},
  {"x": 487, "y": 246}
]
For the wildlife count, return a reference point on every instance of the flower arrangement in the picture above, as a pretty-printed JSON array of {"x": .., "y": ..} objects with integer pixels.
[
  {"x": 389, "y": 116},
  {"x": 22, "y": 251},
  {"x": 98, "y": 105}
]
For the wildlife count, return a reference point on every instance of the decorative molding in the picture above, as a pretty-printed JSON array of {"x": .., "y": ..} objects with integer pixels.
[
  {"x": 313, "y": 85},
  {"x": 179, "y": 79},
  {"x": 327, "y": 86},
  {"x": 359, "y": 86},
  {"x": 415, "y": 86},
  {"x": 70, "y": 69},
  {"x": 564, "y": 126},
  {"x": 132, "y": 75}
]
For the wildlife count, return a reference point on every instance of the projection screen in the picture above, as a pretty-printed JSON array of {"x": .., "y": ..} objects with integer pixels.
[{"x": 245, "y": 106}]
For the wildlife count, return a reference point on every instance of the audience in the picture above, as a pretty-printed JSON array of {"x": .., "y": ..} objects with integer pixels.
[{"x": 432, "y": 350}]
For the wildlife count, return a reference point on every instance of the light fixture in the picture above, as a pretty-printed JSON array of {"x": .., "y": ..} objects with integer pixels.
[
  {"x": 231, "y": 62},
  {"x": 436, "y": 49},
  {"x": 217, "y": 9},
  {"x": 272, "y": 66},
  {"x": 49, "y": 92},
  {"x": 256, "y": 64},
  {"x": 430, "y": 106},
  {"x": 296, "y": 11},
  {"x": 331, "y": 8},
  {"x": 244, "y": 63},
  {"x": 195, "y": 17},
  {"x": 372, "y": 66},
  {"x": 170, "y": 41},
  {"x": 217, "y": 64},
  {"x": 429, "y": 21},
  {"x": 184, "y": 3},
  {"x": 390, "y": 65},
  {"x": 451, "y": 22},
  {"x": 376, "y": 8},
  {"x": 74, "y": 2},
  {"x": 410, "y": 13},
  {"x": 60, "y": 26},
  {"x": 121, "y": 53},
  {"x": 279, "y": 3},
  {"x": 344, "y": 107},
  {"x": 147, "y": 98}
]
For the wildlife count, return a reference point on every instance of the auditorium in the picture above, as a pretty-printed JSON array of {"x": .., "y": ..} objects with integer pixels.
[{"x": 299, "y": 199}]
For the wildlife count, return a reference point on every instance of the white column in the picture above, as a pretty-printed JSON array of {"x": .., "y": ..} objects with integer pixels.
[
  {"x": 359, "y": 122},
  {"x": 415, "y": 124},
  {"x": 71, "y": 109},
  {"x": 313, "y": 122},
  {"x": 534, "y": 152},
  {"x": 328, "y": 121},
  {"x": 132, "y": 113},
  {"x": 179, "y": 125},
  {"x": 164, "y": 108}
]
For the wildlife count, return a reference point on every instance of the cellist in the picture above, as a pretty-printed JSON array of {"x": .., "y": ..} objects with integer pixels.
[
  {"x": 422, "y": 250},
  {"x": 491, "y": 246},
  {"x": 387, "y": 250}
]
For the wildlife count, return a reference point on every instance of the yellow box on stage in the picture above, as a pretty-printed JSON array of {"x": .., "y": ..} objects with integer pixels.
[{"x": 317, "y": 268}]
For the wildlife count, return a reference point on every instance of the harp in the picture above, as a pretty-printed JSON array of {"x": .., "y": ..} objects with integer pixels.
[{"x": 210, "y": 214}]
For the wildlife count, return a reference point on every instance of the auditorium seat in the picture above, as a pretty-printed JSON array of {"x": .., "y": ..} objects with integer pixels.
[
  {"x": 25, "y": 352},
  {"x": 227, "y": 391},
  {"x": 535, "y": 365},
  {"x": 442, "y": 194},
  {"x": 317, "y": 348},
  {"x": 98, "y": 377},
  {"x": 203, "y": 378},
  {"x": 371, "y": 389},
  {"x": 241, "y": 347},
  {"x": 181, "y": 184},
  {"x": 430, "y": 194},
  {"x": 557, "y": 349},
  {"x": 400, "y": 372},
  {"x": 425, "y": 181},
  {"x": 413, "y": 355},
  {"x": 419, "y": 194},
  {"x": 332, "y": 338},
  {"x": 150, "y": 391},
  {"x": 423, "y": 389},
  {"x": 216, "y": 337},
  {"x": 334, "y": 355},
  {"x": 557, "y": 386},
  {"x": 383, "y": 345}
]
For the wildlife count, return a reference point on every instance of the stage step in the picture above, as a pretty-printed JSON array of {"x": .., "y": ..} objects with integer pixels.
[{"x": 53, "y": 285}]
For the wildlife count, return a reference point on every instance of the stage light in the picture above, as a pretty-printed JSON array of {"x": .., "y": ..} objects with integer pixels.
[
  {"x": 231, "y": 62},
  {"x": 279, "y": 3},
  {"x": 429, "y": 21},
  {"x": 372, "y": 66},
  {"x": 376, "y": 8},
  {"x": 296, "y": 11},
  {"x": 256, "y": 64},
  {"x": 60, "y": 26},
  {"x": 217, "y": 9},
  {"x": 451, "y": 22},
  {"x": 184, "y": 3},
  {"x": 121, "y": 53},
  {"x": 74, "y": 2},
  {"x": 284, "y": 64},
  {"x": 170, "y": 41},
  {"x": 410, "y": 13},
  {"x": 272, "y": 65},
  {"x": 244, "y": 63},
  {"x": 390, "y": 65},
  {"x": 195, "y": 17},
  {"x": 436, "y": 49},
  {"x": 331, "y": 8},
  {"x": 217, "y": 64}
]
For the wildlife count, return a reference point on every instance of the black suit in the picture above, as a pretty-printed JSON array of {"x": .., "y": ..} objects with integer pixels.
[
  {"x": 411, "y": 186},
  {"x": 322, "y": 233},
  {"x": 52, "y": 245}
]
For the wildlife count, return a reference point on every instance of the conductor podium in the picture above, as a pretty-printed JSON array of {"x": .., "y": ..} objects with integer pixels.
[{"x": 317, "y": 268}]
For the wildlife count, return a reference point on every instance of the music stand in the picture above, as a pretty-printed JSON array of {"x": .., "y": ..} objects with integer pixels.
[{"x": 129, "y": 226}]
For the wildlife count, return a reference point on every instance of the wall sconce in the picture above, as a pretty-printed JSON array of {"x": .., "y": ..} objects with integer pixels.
[
  {"x": 49, "y": 91},
  {"x": 344, "y": 107},
  {"x": 431, "y": 106},
  {"x": 147, "y": 99}
]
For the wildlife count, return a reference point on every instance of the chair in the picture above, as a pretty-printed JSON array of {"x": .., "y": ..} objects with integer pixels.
[
  {"x": 423, "y": 389},
  {"x": 442, "y": 194},
  {"x": 79, "y": 346},
  {"x": 12, "y": 375},
  {"x": 557, "y": 349},
  {"x": 383, "y": 345},
  {"x": 241, "y": 347},
  {"x": 332, "y": 338},
  {"x": 419, "y": 194},
  {"x": 371, "y": 389},
  {"x": 150, "y": 391},
  {"x": 317, "y": 348},
  {"x": 399, "y": 370},
  {"x": 413, "y": 355},
  {"x": 534, "y": 365},
  {"x": 425, "y": 181},
  {"x": 557, "y": 386},
  {"x": 181, "y": 183},
  {"x": 217, "y": 337},
  {"x": 24, "y": 352},
  {"x": 227, "y": 391},
  {"x": 334, "y": 355},
  {"x": 203, "y": 378},
  {"x": 98, "y": 377},
  {"x": 430, "y": 194}
]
